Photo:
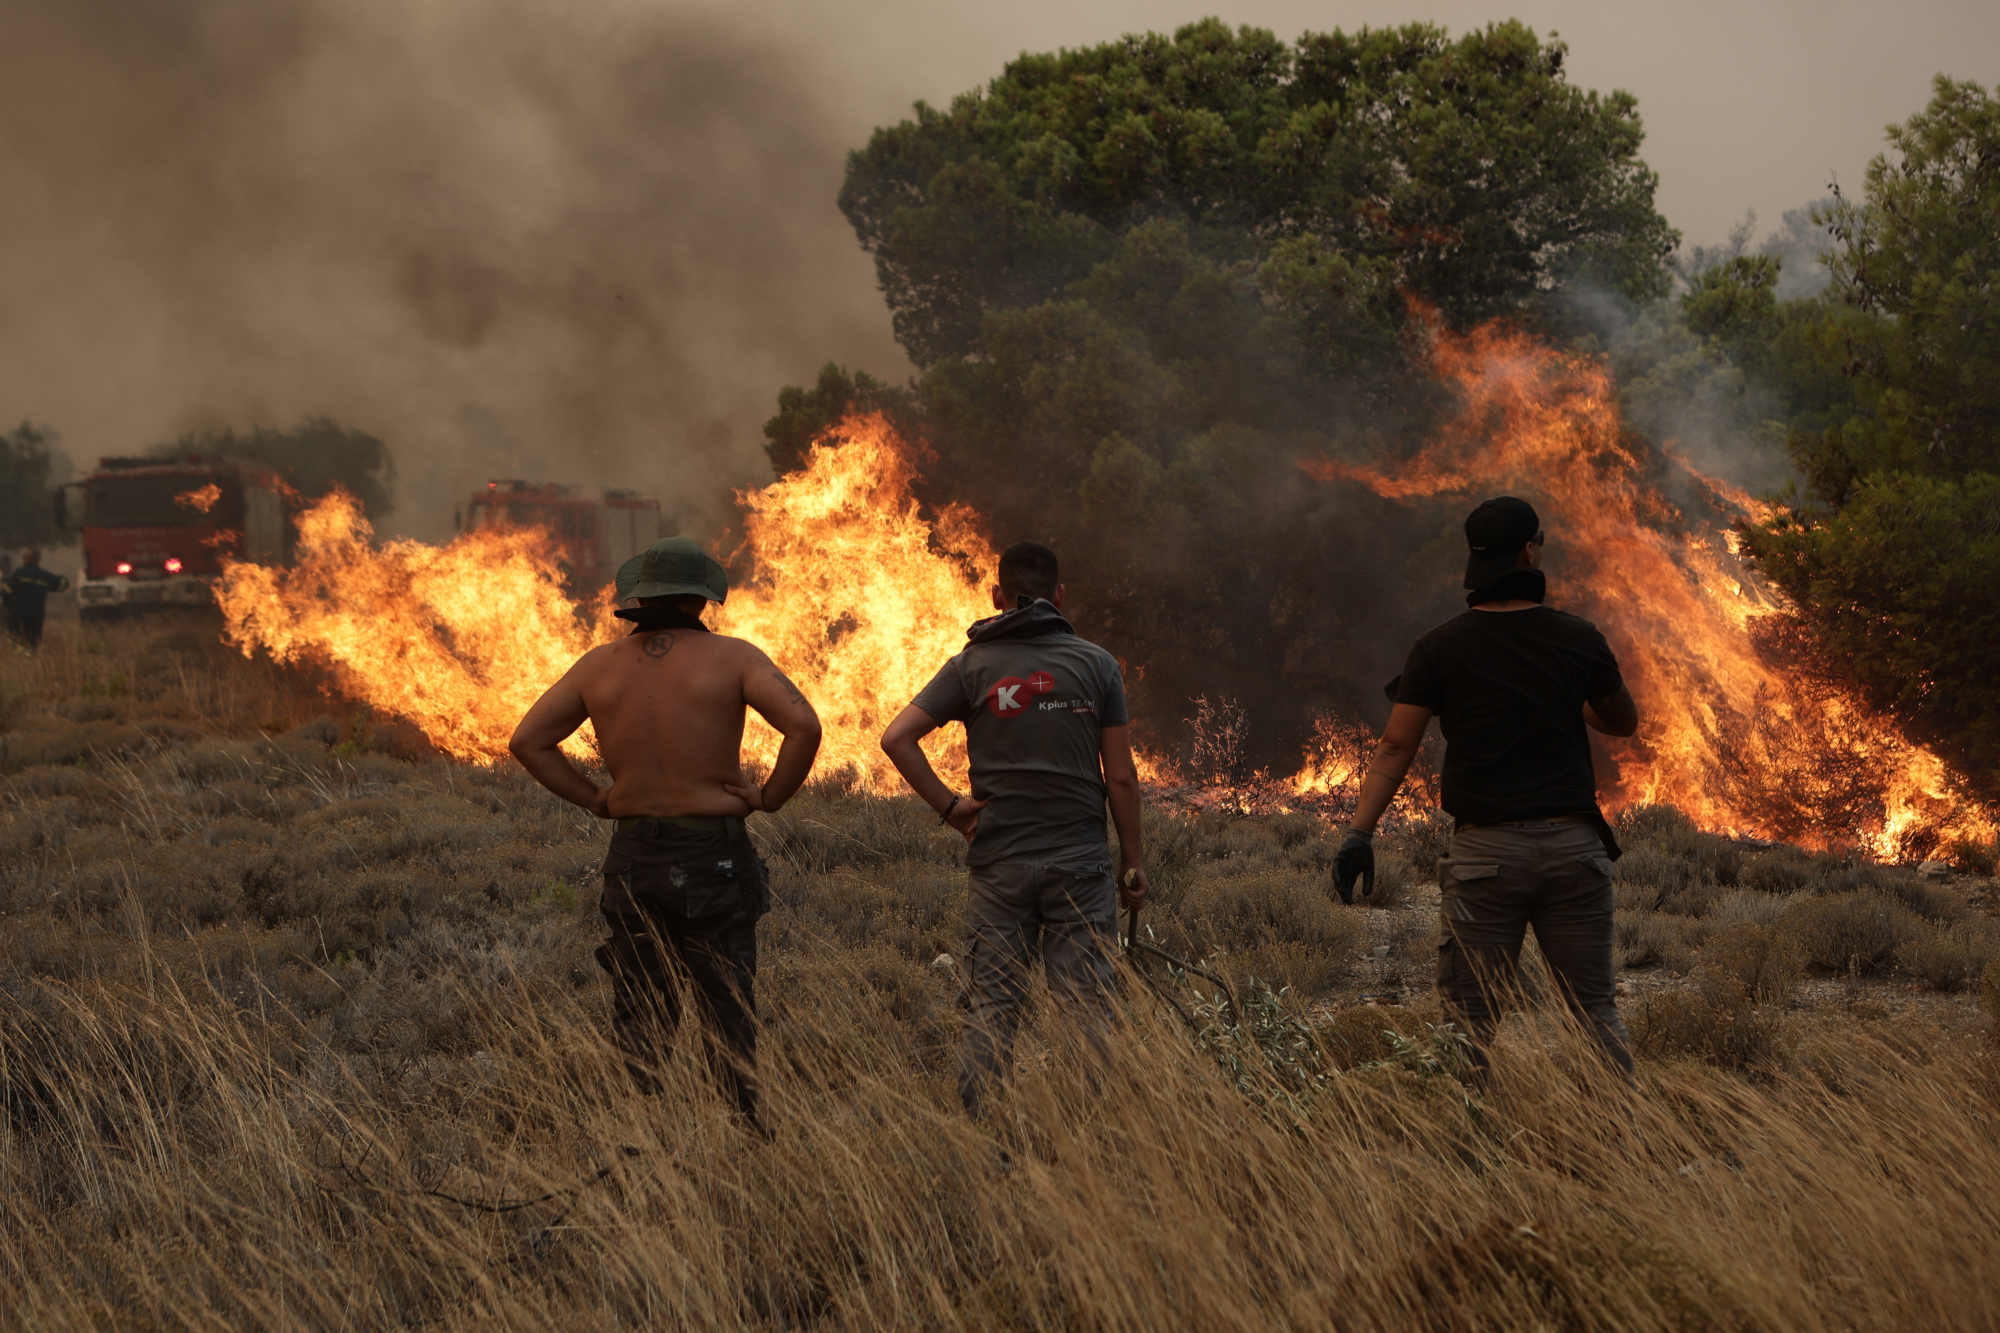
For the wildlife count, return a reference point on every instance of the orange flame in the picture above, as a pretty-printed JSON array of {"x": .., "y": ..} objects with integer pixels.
[
  {"x": 854, "y": 594},
  {"x": 1744, "y": 741},
  {"x": 459, "y": 639},
  {"x": 858, "y": 597},
  {"x": 201, "y": 499}
]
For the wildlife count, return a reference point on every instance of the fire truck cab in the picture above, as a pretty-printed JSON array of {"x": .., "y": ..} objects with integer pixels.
[
  {"x": 156, "y": 531},
  {"x": 596, "y": 528}
]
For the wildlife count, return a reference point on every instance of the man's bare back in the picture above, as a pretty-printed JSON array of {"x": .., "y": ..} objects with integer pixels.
[{"x": 667, "y": 706}]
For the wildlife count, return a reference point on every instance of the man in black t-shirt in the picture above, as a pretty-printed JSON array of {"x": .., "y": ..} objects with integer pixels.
[
  {"x": 1046, "y": 733},
  {"x": 1513, "y": 684}
]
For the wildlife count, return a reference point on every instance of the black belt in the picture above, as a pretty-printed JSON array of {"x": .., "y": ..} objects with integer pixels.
[{"x": 650, "y": 824}]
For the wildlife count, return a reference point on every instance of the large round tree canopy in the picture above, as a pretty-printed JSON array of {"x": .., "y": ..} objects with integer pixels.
[{"x": 1342, "y": 169}]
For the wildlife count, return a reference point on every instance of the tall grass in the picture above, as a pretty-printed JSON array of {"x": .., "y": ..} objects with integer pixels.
[{"x": 300, "y": 1029}]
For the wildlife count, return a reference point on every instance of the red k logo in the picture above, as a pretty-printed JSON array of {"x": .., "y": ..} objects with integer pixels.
[
  {"x": 1005, "y": 698},
  {"x": 1010, "y": 697}
]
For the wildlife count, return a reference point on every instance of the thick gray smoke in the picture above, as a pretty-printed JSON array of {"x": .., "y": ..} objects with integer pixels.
[{"x": 525, "y": 238}]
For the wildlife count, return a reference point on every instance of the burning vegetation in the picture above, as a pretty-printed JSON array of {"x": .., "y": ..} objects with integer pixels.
[
  {"x": 858, "y": 594},
  {"x": 1738, "y": 728}
]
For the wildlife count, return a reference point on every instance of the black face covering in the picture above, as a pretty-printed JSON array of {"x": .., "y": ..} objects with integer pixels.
[
  {"x": 653, "y": 619},
  {"x": 1527, "y": 585}
]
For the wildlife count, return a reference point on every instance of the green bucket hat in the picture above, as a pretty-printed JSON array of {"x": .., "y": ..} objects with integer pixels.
[{"x": 672, "y": 567}]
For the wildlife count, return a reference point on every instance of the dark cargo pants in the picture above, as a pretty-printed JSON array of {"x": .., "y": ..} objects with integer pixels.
[
  {"x": 682, "y": 905},
  {"x": 1498, "y": 881},
  {"x": 1062, "y": 905}
]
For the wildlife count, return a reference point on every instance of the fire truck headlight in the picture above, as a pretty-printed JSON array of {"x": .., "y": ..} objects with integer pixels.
[
  {"x": 124, "y": 566},
  {"x": 173, "y": 565}
]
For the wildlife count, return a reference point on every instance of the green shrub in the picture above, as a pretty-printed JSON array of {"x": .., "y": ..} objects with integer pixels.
[{"x": 1858, "y": 930}]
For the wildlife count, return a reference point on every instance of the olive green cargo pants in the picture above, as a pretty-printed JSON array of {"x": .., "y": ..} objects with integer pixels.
[{"x": 1499, "y": 880}]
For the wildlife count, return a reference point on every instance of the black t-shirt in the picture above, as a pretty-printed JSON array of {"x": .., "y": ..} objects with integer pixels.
[{"x": 1508, "y": 688}]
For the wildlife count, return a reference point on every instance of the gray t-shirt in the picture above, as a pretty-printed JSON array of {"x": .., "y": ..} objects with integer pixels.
[{"x": 1034, "y": 699}]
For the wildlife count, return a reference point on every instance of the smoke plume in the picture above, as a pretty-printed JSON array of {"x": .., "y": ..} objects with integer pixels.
[{"x": 523, "y": 238}]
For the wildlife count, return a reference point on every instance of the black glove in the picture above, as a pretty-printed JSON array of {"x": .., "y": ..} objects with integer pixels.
[{"x": 1355, "y": 861}]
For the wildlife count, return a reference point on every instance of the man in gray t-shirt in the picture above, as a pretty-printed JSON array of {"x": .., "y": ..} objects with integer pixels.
[{"x": 1047, "y": 735}]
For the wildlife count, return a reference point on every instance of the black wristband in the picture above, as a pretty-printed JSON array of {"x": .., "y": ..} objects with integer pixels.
[{"x": 944, "y": 816}]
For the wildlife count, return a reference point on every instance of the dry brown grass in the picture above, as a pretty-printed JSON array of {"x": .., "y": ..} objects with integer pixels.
[{"x": 289, "y": 1016}]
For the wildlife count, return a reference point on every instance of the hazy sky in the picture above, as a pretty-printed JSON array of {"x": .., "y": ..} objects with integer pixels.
[{"x": 589, "y": 241}]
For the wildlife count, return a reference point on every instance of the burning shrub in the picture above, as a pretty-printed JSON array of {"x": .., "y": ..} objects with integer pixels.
[
  {"x": 1761, "y": 962},
  {"x": 1854, "y": 931},
  {"x": 1973, "y": 858},
  {"x": 1949, "y": 960}
]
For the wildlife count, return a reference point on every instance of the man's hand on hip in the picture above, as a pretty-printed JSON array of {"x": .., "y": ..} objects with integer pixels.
[{"x": 964, "y": 816}]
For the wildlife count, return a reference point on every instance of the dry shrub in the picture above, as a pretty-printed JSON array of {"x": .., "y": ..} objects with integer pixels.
[
  {"x": 1934, "y": 902},
  {"x": 1714, "y": 1021},
  {"x": 1858, "y": 930},
  {"x": 1948, "y": 960},
  {"x": 1289, "y": 913},
  {"x": 1396, "y": 879},
  {"x": 1748, "y": 905},
  {"x": 1989, "y": 997},
  {"x": 247, "y": 1126},
  {"x": 1779, "y": 870},
  {"x": 1651, "y": 939},
  {"x": 1423, "y": 840},
  {"x": 1760, "y": 961}
]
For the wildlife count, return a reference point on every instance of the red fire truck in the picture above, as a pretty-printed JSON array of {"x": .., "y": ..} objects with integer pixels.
[
  {"x": 156, "y": 530},
  {"x": 597, "y": 528}
]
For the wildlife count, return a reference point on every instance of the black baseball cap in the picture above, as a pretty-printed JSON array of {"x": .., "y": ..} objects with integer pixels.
[{"x": 1496, "y": 532}]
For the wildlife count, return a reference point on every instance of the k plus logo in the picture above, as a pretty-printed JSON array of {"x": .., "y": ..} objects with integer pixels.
[{"x": 1009, "y": 697}]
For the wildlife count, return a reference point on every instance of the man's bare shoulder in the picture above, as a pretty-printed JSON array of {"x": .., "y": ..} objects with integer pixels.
[{"x": 739, "y": 649}]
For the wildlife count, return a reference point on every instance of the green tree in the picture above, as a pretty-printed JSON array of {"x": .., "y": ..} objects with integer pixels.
[
  {"x": 313, "y": 456},
  {"x": 1145, "y": 278},
  {"x": 806, "y": 415},
  {"x": 27, "y": 489},
  {"x": 1468, "y": 171},
  {"x": 1892, "y": 552}
]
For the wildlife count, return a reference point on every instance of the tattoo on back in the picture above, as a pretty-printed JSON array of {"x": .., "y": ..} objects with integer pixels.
[
  {"x": 790, "y": 688},
  {"x": 659, "y": 645}
]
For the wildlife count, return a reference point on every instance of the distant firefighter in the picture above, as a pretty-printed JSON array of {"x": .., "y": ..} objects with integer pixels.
[
  {"x": 683, "y": 886},
  {"x": 1513, "y": 684},
  {"x": 27, "y": 596},
  {"x": 1047, "y": 735}
]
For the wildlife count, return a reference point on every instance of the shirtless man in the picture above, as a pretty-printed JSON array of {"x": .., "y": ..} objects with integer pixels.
[{"x": 683, "y": 886}]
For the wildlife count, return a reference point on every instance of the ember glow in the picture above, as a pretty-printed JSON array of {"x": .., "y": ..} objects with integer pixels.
[
  {"x": 201, "y": 499},
  {"x": 1737, "y": 729}
]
